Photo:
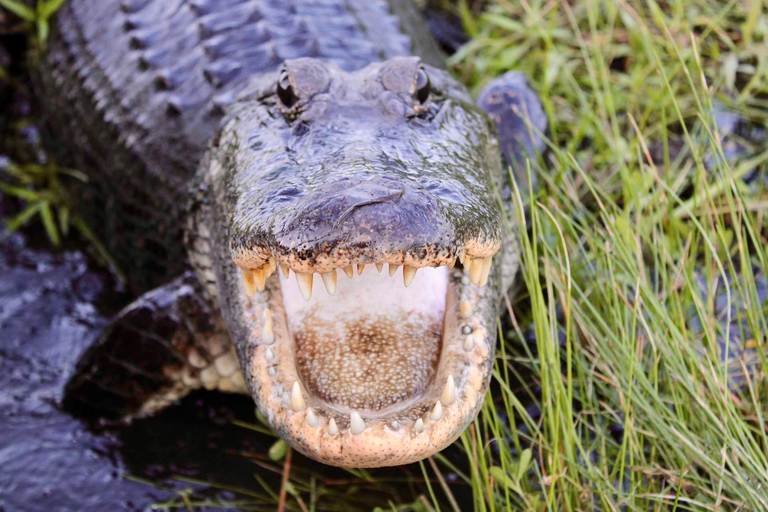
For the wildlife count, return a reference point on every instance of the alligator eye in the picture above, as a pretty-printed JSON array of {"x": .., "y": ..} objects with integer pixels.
[
  {"x": 285, "y": 90},
  {"x": 423, "y": 86}
]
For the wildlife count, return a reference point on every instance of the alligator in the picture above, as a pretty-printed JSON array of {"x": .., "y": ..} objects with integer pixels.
[{"x": 289, "y": 151}]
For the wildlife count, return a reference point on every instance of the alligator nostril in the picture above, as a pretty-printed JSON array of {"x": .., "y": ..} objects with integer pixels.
[{"x": 381, "y": 199}]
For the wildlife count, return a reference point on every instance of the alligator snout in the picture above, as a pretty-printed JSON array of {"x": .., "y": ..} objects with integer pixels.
[{"x": 372, "y": 216}]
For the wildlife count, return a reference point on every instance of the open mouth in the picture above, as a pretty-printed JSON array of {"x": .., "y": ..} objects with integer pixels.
[{"x": 369, "y": 365}]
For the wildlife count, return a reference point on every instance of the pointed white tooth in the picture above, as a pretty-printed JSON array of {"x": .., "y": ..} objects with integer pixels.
[
  {"x": 271, "y": 265},
  {"x": 394, "y": 425},
  {"x": 297, "y": 401},
  {"x": 408, "y": 274},
  {"x": 250, "y": 284},
  {"x": 269, "y": 355},
  {"x": 260, "y": 276},
  {"x": 350, "y": 272},
  {"x": 332, "y": 428},
  {"x": 437, "y": 412},
  {"x": 486, "y": 270},
  {"x": 329, "y": 280},
  {"x": 475, "y": 270},
  {"x": 462, "y": 255},
  {"x": 419, "y": 426},
  {"x": 379, "y": 266},
  {"x": 469, "y": 343},
  {"x": 449, "y": 393},
  {"x": 356, "y": 423},
  {"x": 286, "y": 270},
  {"x": 360, "y": 268},
  {"x": 312, "y": 420},
  {"x": 466, "y": 309},
  {"x": 267, "y": 332},
  {"x": 305, "y": 284},
  {"x": 392, "y": 269},
  {"x": 272, "y": 371}
]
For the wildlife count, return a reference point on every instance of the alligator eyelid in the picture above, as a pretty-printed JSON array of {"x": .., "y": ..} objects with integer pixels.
[{"x": 383, "y": 199}]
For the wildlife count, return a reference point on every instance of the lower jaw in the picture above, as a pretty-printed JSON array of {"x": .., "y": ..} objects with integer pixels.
[{"x": 402, "y": 433}]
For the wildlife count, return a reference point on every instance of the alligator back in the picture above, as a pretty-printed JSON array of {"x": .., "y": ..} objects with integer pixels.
[{"x": 134, "y": 89}]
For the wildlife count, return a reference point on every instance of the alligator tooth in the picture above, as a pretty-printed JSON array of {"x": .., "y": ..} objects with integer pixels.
[
  {"x": 329, "y": 280},
  {"x": 250, "y": 284},
  {"x": 350, "y": 273},
  {"x": 332, "y": 428},
  {"x": 297, "y": 401},
  {"x": 260, "y": 276},
  {"x": 476, "y": 270},
  {"x": 267, "y": 334},
  {"x": 269, "y": 355},
  {"x": 449, "y": 393},
  {"x": 462, "y": 255},
  {"x": 466, "y": 309},
  {"x": 379, "y": 266},
  {"x": 272, "y": 371},
  {"x": 271, "y": 265},
  {"x": 392, "y": 269},
  {"x": 468, "y": 264},
  {"x": 469, "y": 343},
  {"x": 356, "y": 423},
  {"x": 312, "y": 420},
  {"x": 286, "y": 270},
  {"x": 360, "y": 268},
  {"x": 486, "y": 271},
  {"x": 419, "y": 426},
  {"x": 408, "y": 274},
  {"x": 305, "y": 284},
  {"x": 394, "y": 425},
  {"x": 437, "y": 412}
]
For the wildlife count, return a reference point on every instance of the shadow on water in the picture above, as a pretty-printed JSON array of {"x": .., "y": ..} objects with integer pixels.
[{"x": 50, "y": 461}]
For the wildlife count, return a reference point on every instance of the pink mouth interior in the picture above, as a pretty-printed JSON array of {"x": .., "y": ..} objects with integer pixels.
[{"x": 372, "y": 345}]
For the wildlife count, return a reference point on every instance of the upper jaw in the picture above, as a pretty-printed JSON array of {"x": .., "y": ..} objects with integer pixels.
[
  {"x": 349, "y": 222},
  {"x": 402, "y": 433}
]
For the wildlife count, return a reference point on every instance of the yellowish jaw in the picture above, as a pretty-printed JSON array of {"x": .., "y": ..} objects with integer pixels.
[{"x": 377, "y": 372}]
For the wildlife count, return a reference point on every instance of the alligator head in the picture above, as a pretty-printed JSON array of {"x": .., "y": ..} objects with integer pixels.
[{"x": 362, "y": 213}]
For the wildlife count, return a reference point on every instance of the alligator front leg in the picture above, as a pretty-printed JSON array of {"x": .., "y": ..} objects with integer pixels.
[
  {"x": 163, "y": 345},
  {"x": 520, "y": 122}
]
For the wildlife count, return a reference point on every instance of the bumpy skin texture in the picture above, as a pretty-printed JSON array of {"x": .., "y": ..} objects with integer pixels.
[{"x": 139, "y": 87}]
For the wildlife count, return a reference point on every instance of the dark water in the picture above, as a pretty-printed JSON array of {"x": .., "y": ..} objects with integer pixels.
[{"x": 51, "y": 308}]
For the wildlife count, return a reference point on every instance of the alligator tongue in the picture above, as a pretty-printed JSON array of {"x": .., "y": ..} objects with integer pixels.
[{"x": 374, "y": 342}]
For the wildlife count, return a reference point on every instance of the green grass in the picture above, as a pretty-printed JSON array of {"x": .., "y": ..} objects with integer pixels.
[
  {"x": 39, "y": 16},
  {"x": 619, "y": 244},
  {"x": 624, "y": 401}
]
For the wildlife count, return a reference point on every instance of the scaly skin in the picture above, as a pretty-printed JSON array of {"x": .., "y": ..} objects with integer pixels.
[{"x": 352, "y": 153}]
